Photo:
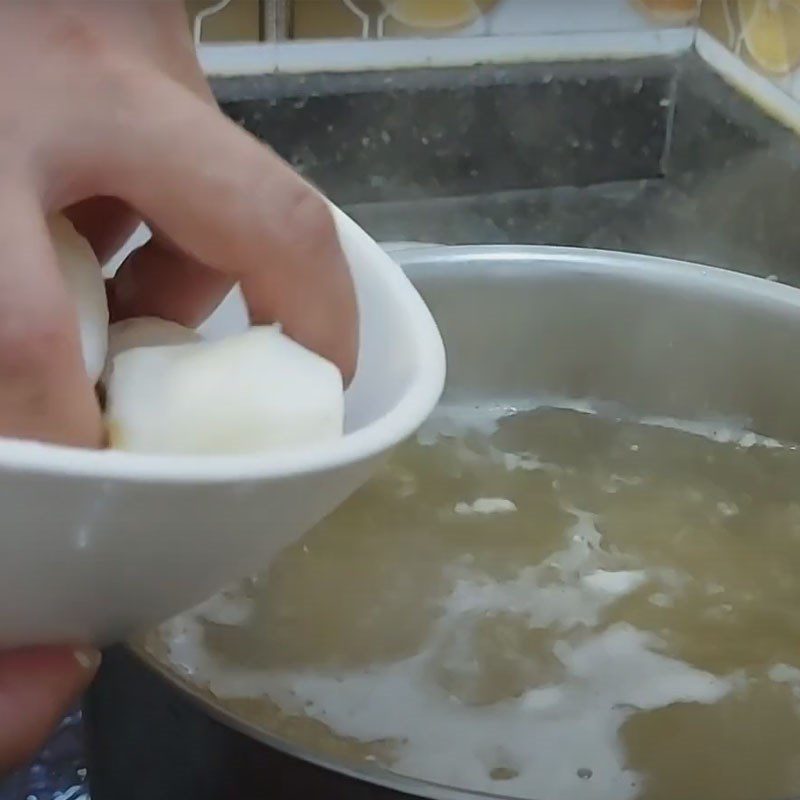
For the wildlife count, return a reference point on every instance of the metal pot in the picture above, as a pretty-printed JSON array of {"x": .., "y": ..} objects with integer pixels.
[{"x": 655, "y": 336}]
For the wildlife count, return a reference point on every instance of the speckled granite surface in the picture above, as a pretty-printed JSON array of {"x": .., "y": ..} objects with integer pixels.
[
  {"x": 656, "y": 156},
  {"x": 444, "y": 132}
]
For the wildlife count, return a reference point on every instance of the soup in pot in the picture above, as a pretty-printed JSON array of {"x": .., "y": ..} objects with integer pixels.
[{"x": 541, "y": 602}]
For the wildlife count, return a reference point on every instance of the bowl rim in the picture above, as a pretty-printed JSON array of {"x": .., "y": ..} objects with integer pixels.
[
  {"x": 440, "y": 261},
  {"x": 410, "y": 409}
]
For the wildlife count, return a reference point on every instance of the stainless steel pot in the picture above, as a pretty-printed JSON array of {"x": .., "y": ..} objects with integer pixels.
[{"x": 654, "y": 336}]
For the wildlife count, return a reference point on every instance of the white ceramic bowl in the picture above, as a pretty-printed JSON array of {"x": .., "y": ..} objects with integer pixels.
[{"x": 96, "y": 544}]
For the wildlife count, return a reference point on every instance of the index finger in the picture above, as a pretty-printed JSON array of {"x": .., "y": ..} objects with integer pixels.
[{"x": 228, "y": 202}]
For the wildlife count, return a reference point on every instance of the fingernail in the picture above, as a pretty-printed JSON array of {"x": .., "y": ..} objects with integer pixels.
[{"x": 88, "y": 657}]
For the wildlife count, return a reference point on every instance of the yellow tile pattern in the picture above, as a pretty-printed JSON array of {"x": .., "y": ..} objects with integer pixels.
[
  {"x": 416, "y": 17},
  {"x": 330, "y": 19},
  {"x": 322, "y": 19},
  {"x": 672, "y": 12},
  {"x": 236, "y": 22},
  {"x": 239, "y": 20},
  {"x": 764, "y": 33}
]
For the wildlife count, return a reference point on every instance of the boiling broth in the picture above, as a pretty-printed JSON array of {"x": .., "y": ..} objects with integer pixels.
[{"x": 545, "y": 604}]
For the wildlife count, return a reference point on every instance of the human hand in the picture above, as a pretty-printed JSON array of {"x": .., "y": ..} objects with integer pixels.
[
  {"x": 106, "y": 114},
  {"x": 37, "y": 687}
]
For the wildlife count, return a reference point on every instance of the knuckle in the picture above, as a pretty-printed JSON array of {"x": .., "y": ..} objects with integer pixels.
[
  {"x": 303, "y": 217},
  {"x": 84, "y": 46},
  {"x": 74, "y": 32},
  {"x": 312, "y": 212},
  {"x": 276, "y": 210}
]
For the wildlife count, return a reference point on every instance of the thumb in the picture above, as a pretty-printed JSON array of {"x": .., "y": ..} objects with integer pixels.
[{"x": 37, "y": 686}]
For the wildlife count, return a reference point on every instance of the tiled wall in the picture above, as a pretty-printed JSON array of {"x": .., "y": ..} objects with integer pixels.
[
  {"x": 238, "y": 20},
  {"x": 758, "y": 37},
  {"x": 764, "y": 34}
]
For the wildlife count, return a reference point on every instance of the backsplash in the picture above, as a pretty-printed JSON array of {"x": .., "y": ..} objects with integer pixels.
[
  {"x": 763, "y": 34},
  {"x": 753, "y": 44},
  {"x": 247, "y": 20}
]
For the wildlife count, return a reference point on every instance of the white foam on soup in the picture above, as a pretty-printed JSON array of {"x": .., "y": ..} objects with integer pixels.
[{"x": 560, "y": 736}]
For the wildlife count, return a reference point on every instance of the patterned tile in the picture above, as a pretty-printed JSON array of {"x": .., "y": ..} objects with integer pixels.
[{"x": 238, "y": 20}]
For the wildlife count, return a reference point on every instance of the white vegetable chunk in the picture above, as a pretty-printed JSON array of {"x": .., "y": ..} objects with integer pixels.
[
  {"x": 84, "y": 280},
  {"x": 144, "y": 332},
  {"x": 248, "y": 393}
]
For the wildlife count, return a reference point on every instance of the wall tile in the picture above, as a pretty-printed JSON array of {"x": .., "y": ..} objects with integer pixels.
[
  {"x": 588, "y": 16},
  {"x": 764, "y": 34},
  {"x": 324, "y": 19},
  {"x": 238, "y": 21}
]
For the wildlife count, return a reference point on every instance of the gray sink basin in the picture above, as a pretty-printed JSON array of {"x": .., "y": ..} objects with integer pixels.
[{"x": 653, "y": 155}]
